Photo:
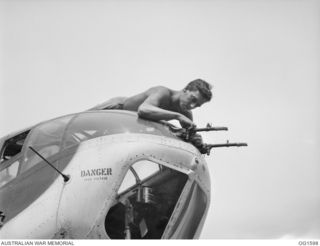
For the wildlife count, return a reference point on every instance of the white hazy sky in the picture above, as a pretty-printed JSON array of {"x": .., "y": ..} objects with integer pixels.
[{"x": 263, "y": 57}]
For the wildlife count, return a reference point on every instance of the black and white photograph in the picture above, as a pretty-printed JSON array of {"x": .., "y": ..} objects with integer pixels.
[{"x": 173, "y": 119}]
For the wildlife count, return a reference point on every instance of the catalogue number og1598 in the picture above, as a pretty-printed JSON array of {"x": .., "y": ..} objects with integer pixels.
[{"x": 305, "y": 243}]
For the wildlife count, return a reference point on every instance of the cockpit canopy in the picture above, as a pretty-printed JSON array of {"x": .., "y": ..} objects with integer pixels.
[{"x": 51, "y": 137}]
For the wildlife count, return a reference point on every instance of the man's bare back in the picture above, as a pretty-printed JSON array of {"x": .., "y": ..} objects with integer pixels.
[
  {"x": 162, "y": 103},
  {"x": 158, "y": 96}
]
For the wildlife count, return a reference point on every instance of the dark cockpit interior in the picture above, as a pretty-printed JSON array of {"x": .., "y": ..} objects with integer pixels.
[{"x": 143, "y": 211}]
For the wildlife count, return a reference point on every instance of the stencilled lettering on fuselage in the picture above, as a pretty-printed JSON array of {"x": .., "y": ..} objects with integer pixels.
[{"x": 96, "y": 174}]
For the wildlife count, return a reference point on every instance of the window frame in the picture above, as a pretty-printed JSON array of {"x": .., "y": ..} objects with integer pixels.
[
  {"x": 7, "y": 139},
  {"x": 5, "y": 164},
  {"x": 137, "y": 177}
]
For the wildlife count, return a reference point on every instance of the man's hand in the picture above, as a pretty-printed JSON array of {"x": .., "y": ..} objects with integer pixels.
[
  {"x": 196, "y": 140},
  {"x": 186, "y": 122}
]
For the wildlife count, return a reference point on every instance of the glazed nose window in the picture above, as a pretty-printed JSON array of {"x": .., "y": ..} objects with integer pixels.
[{"x": 145, "y": 201}]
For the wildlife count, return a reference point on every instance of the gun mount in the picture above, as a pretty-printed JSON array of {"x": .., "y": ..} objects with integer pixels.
[{"x": 188, "y": 136}]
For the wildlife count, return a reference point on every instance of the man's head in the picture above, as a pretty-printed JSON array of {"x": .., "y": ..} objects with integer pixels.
[{"x": 196, "y": 93}]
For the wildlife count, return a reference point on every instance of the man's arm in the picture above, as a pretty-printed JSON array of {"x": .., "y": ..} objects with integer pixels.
[
  {"x": 195, "y": 139},
  {"x": 151, "y": 107},
  {"x": 189, "y": 115}
]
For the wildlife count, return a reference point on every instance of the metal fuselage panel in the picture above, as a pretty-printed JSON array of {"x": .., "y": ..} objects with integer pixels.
[
  {"x": 39, "y": 219},
  {"x": 77, "y": 209}
]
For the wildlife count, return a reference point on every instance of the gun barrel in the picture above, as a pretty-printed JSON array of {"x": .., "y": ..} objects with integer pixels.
[
  {"x": 207, "y": 129},
  {"x": 227, "y": 145}
]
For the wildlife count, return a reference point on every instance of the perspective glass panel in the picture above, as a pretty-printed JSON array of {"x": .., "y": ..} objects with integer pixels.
[
  {"x": 9, "y": 173},
  {"x": 46, "y": 139},
  {"x": 90, "y": 125},
  {"x": 191, "y": 214}
]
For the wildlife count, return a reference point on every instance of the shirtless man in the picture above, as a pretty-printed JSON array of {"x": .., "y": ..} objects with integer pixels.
[{"x": 162, "y": 103}]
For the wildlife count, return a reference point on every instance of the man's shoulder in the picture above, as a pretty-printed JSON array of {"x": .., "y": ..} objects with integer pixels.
[{"x": 160, "y": 89}]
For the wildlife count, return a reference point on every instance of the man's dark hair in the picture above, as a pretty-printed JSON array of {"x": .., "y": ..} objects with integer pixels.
[{"x": 202, "y": 86}]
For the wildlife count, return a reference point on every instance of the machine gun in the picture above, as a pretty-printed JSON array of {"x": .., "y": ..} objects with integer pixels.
[
  {"x": 187, "y": 134},
  {"x": 206, "y": 148},
  {"x": 191, "y": 131}
]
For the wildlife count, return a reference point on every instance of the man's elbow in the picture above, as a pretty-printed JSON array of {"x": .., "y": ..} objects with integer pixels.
[{"x": 143, "y": 111}]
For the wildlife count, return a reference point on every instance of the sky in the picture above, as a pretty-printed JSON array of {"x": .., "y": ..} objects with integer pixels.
[{"x": 262, "y": 58}]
